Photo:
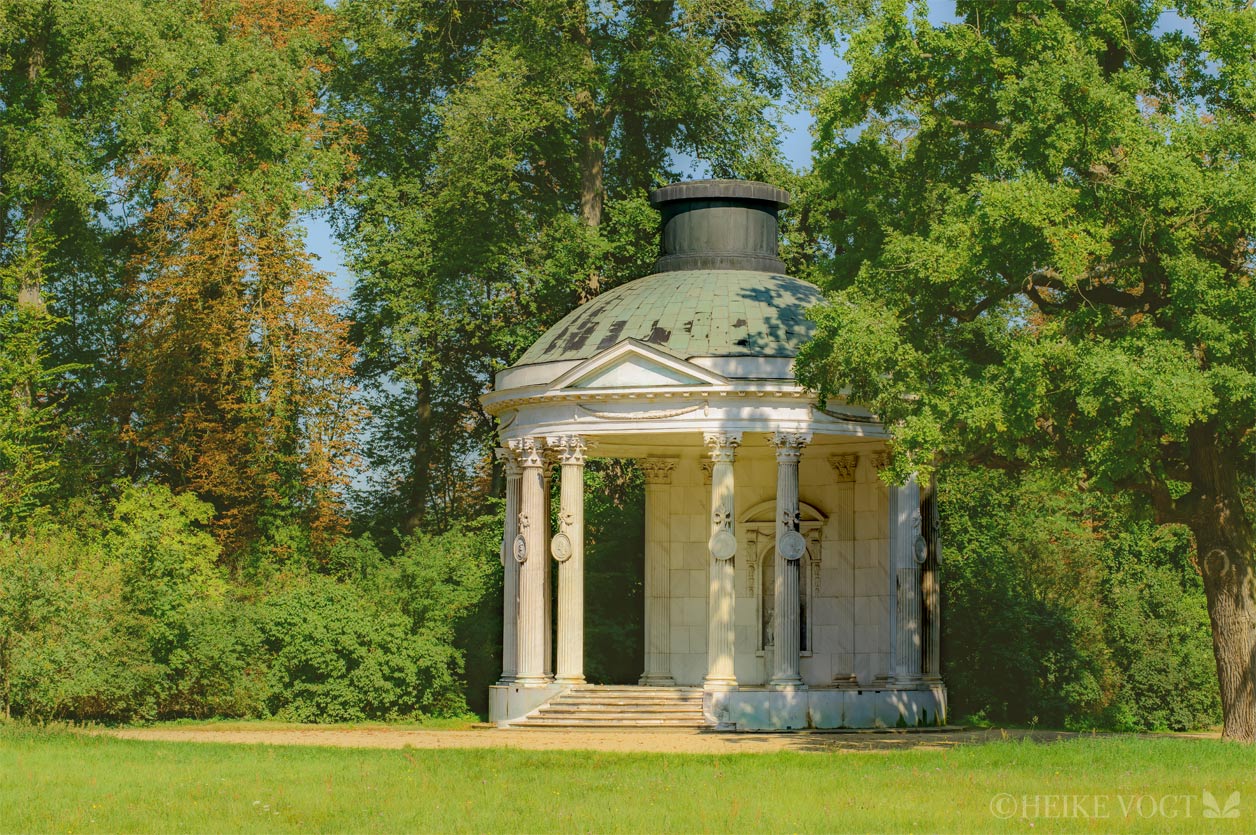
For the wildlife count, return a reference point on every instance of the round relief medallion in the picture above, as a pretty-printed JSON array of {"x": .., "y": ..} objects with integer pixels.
[
  {"x": 723, "y": 545},
  {"x": 792, "y": 545},
  {"x": 920, "y": 550},
  {"x": 560, "y": 547},
  {"x": 521, "y": 549}
]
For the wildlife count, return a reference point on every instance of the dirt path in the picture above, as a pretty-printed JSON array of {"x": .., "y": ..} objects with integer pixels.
[{"x": 681, "y": 742}]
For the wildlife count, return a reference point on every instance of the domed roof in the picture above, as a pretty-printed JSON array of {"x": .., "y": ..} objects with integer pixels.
[{"x": 690, "y": 313}]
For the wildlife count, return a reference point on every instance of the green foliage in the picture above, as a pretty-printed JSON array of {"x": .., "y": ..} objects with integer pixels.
[
  {"x": 338, "y": 657},
  {"x": 614, "y": 566},
  {"x": 1066, "y": 609},
  {"x": 506, "y": 154},
  {"x": 122, "y": 614}
]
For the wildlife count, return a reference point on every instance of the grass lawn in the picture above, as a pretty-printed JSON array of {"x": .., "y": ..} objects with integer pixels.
[{"x": 53, "y": 781}]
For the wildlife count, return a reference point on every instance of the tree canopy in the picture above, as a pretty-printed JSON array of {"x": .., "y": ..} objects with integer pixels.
[{"x": 1042, "y": 223}]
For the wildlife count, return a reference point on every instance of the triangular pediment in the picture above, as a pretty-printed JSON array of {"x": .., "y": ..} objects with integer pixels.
[{"x": 633, "y": 364}]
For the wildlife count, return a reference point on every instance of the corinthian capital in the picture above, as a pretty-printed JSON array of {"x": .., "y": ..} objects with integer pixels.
[
  {"x": 723, "y": 445},
  {"x": 789, "y": 444},
  {"x": 529, "y": 451},
  {"x": 569, "y": 449},
  {"x": 510, "y": 462},
  {"x": 658, "y": 470}
]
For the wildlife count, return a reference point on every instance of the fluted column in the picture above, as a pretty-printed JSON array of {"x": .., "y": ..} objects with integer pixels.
[
  {"x": 567, "y": 547},
  {"x": 790, "y": 547},
  {"x": 547, "y": 592},
  {"x": 906, "y": 555},
  {"x": 529, "y": 552},
  {"x": 722, "y": 547},
  {"x": 510, "y": 567},
  {"x": 658, "y": 538}
]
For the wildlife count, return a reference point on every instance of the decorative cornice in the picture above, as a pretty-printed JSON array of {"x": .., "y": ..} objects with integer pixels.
[
  {"x": 723, "y": 445},
  {"x": 656, "y": 414},
  {"x": 569, "y": 449},
  {"x": 844, "y": 466},
  {"x": 658, "y": 470}
]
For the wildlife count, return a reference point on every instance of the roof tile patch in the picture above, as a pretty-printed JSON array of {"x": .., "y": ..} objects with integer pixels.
[{"x": 694, "y": 313}]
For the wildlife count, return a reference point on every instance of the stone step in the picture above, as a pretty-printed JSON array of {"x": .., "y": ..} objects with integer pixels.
[
  {"x": 585, "y": 707},
  {"x": 624, "y": 704},
  {"x": 630, "y": 697},
  {"x": 611, "y": 723},
  {"x": 610, "y": 715}
]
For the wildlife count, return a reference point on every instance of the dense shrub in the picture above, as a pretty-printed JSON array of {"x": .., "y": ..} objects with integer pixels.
[
  {"x": 1065, "y": 608},
  {"x": 121, "y": 614}
]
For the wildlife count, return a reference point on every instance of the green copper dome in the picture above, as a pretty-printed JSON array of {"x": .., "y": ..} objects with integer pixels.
[{"x": 691, "y": 313}]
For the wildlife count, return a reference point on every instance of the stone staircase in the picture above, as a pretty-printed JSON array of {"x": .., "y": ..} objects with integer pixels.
[{"x": 612, "y": 707}]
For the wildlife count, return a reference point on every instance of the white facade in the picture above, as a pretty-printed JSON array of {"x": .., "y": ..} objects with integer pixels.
[{"x": 717, "y": 450}]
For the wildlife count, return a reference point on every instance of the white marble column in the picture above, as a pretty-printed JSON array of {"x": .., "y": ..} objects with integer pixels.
[
  {"x": 567, "y": 547},
  {"x": 722, "y": 547},
  {"x": 510, "y": 567},
  {"x": 658, "y": 538},
  {"x": 547, "y": 593},
  {"x": 790, "y": 548},
  {"x": 905, "y": 550},
  {"x": 529, "y": 551}
]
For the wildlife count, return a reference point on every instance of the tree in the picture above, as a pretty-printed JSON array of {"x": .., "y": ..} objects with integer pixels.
[
  {"x": 64, "y": 68},
  {"x": 1042, "y": 223},
  {"x": 508, "y": 146},
  {"x": 239, "y": 362}
]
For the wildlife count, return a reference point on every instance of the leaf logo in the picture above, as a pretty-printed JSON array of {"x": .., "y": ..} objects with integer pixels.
[{"x": 1213, "y": 810}]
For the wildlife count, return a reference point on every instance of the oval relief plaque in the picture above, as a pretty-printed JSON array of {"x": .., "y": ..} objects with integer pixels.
[
  {"x": 920, "y": 550},
  {"x": 521, "y": 549},
  {"x": 560, "y": 547},
  {"x": 723, "y": 545},
  {"x": 792, "y": 545}
]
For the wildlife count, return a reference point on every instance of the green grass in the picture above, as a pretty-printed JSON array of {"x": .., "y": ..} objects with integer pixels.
[
  {"x": 54, "y": 781},
  {"x": 429, "y": 724}
]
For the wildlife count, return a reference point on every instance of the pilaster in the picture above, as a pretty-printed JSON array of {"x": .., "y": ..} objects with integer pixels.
[{"x": 658, "y": 538}]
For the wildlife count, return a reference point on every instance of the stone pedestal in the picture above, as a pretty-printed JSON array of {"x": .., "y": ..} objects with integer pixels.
[
  {"x": 658, "y": 537},
  {"x": 722, "y": 547}
]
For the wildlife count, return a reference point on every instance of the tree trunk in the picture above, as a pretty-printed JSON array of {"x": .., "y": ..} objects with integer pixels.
[
  {"x": 592, "y": 119},
  {"x": 1224, "y": 545},
  {"x": 421, "y": 461}
]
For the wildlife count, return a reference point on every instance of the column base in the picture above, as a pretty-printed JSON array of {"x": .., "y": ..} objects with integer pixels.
[
  {"x": 787, "y": 684},
  {"x": 569, "y": 680},
  {"x": 656, "y": 680},
  {"x": 719, "y": 684},
  {"x": 505, "y": 681},
  {"x": 532, "y": 681}
]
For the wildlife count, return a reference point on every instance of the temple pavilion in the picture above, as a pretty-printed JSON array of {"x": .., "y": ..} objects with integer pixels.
[{"x": 786, "y": 585}]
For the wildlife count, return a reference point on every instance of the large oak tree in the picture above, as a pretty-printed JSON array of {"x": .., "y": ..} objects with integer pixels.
[{"x": 1043, "y": 230}]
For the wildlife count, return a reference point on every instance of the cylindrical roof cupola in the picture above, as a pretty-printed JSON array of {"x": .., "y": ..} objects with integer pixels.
[{"x": 720, "y": 225}]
